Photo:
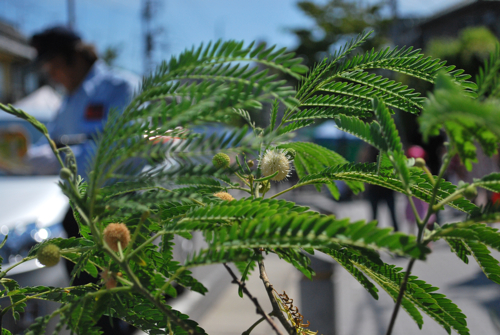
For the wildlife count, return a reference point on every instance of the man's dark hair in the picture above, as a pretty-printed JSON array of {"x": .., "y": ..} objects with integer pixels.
[{"x": 61, "y": 41}]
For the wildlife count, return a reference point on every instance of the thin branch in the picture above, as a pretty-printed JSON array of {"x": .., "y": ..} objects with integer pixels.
[
  {"x": 276, "y": 308},
  {"x": 4, "y": 272},
  {"x": 287, "y": 190},
  {"x": 421, "y": 228},
  {"x": 260, "y": 310},
  {"x": 255, "y": 324},
  {"x": 400, "y": 296}
]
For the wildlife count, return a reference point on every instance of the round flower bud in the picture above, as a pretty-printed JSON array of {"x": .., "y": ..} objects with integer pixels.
[
  {"x": 65, "y": 174},
  {"x": 470, "y": 192},
  {"x": 250, "y": 163},
  {"x": 221, "y": 160},
  {"x": 275, "y": 160},
  {"x": 115, "y": 232},
  {"x": 108, "y": 278},
  {"x": 49, "y": 255},
  {"x": 419, "y": 162},
  {"x": 224, "y": 196}
]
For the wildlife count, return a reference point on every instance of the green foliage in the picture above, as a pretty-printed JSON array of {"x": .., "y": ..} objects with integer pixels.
[
  {"x": 152, "y": 172},
  {"x": 470, "y": 238},
  {"x": 473, "y": 46},
  {"x": 311, "y": 158},
  {"x": 335, "y": 22},
  {"x": 464, "y": 120},
  {"x": 418, "y": 294},
  {"x": 420, "y": 185}
]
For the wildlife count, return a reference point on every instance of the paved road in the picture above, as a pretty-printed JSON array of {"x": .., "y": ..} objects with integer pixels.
[{"x": 223, "y": 312}]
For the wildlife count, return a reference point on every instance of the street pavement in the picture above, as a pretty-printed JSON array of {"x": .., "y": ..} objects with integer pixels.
[{"x": 223, "y": 312}]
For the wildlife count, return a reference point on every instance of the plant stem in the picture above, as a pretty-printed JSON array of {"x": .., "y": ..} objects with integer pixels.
[
  {"x": 256, "y": 323},
  {"x": 140, "y": 289},
  {"x": 253, "y": 299},
  {"x": 429, "y": 174},
  {"x": 2, "y": 313},
  {"x": 414, "y": 209},
  {"x": 242, "y": 179},
  {"x": 421, "y": 228},
  {"x": 143, "y": 218},
  {"x": 170, "y": 280},
  {"x": 285, "y": 191},
  {"x": 400, "y": 296},
  {"x": 239, "y": 188},
  {"x": 4, "y": 272},
  {"x": 276, "y": 308},
  {"x": 149, "y": 240},
  {"x": 454, "y": 196},
  {"x": 54, "y": 149}
]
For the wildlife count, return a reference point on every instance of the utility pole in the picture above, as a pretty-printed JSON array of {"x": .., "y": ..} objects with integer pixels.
[
  {"x": 71, "y": 14},
  {"x": 394, "y": 9},
  {"x": 149, "y": 9}
]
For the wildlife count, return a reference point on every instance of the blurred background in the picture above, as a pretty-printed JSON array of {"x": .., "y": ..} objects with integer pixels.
[{"x": 133, "y": 36}]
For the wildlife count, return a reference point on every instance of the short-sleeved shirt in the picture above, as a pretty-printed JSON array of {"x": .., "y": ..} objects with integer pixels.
[{"x": 84, "y": 112}]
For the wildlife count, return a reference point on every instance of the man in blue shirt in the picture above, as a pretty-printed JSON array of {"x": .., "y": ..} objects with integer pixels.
[{"x": 92, "y": 89}]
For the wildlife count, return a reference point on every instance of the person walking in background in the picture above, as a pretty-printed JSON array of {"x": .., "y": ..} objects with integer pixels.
[
  {"x": 91, "y": 88},
  {"x": 91, "y": 91},
  {"x": 376, "y": 194}
]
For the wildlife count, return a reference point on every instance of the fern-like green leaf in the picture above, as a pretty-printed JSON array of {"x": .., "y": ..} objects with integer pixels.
[
  {"x": 391, "y": 137},
  {"x": 475, "y": 237},
  {"x": 407, "y": 61},
  {"x": 393, "y": 93},
  {"x": 312, "y": 158},
  {"x": 488, "y": 74},
  {"x": 420, "y": 185},
  {"x": 465, "y": 120},
  {"x": 418, "y": 294},
  {"x": 368, "y": 132},
  {"x": 286, "y": 229}
]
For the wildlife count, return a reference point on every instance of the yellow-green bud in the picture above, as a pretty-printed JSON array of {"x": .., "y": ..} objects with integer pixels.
[
  {"x": 221, "y": 160},
  {"x": 470, "y": 192},
  {"x": 65, "y": 174},
  {"x": 49, "y": 255},
  {"x": 419, "y": 162},
  {"x": 250, "y": 163},
  {"x": 266, "y": 186}
]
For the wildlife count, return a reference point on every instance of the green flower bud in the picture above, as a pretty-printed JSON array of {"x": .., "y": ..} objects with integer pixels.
[
  {"x": 419, "y": 162},
  {"x": 266, "y": 186},
  {"x": 221, "y": 160},
  {"x": 65, "y": 174},
  {"x": 49, "y": 255},
  {"x": 470, "y": 192},
  {"x": 250, "y": 163}
]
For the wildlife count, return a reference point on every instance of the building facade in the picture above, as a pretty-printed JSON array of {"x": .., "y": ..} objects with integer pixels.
[{"x": 17, "y": 75}]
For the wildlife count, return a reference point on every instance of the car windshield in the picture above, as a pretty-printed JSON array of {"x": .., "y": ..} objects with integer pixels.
[{"x": 16, "y": 136}]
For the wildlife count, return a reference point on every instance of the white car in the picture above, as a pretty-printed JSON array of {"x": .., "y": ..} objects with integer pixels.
[{"x": 33, "y": 209}]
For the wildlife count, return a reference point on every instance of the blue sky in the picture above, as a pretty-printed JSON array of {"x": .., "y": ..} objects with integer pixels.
[{"x": 183, "y": 23}]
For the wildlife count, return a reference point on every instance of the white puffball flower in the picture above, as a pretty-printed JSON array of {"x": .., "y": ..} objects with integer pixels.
[{"x": 275, "y": 160}]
